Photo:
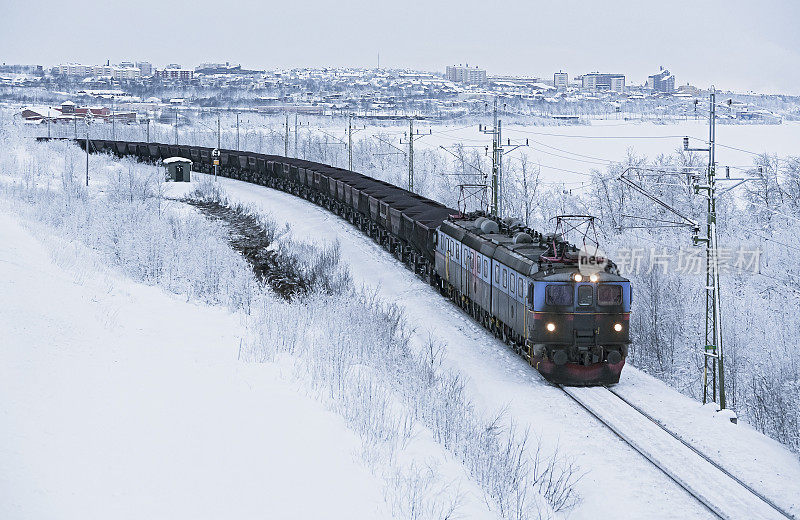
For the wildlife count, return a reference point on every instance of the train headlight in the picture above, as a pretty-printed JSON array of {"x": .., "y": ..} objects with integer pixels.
[
  {"x": 618, "y": 327},
  {"x": 593, "y": 278},
  {"x": 578, "y": 277},
  {"x": 551, "y": 327}
]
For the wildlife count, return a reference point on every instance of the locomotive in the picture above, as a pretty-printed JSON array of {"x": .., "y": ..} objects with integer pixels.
[
  {"x": 526, "y": 287},
  {"x": 529, "y": 289}
]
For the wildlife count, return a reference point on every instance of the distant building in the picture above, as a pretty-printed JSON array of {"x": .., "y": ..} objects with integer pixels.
[
  {"x": 170, "y": 73},
  {"x": 664, "y": 81},
  {"x": 68, "y": 107},
  {"x": 102, "y": 70},
  {"x": 223, "y": 68},
  {"x": 561, "y": 80},
  {"x": 73, "y": 69},
  {"x": 126, "y": 73},
  {"x": 596, "y": 81},
  {"x": 68, "y": 111},
  {"x": 688, "y": 90},
  {"x": 145, "y": 67},
  {"x": 459, "y": 74}
]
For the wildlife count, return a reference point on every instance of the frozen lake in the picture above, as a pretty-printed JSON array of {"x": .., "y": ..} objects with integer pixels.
[{"x": 568, "y": 153}]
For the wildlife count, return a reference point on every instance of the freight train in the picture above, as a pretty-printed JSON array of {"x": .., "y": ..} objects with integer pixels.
[{"x": 524, "y": 286}]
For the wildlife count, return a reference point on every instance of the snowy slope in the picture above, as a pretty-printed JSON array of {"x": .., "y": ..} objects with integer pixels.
[
  {"x": 118, "y": 400},
  {"x": 618, "y": 483}
]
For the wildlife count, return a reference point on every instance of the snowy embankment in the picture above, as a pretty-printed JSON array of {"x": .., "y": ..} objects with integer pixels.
[
  {"x": 123, "y": 400},
  {"x": 498, "y": 378}
]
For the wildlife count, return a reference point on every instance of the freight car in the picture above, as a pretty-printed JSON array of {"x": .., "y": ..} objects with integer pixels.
[{"x": 524, "y": 286}]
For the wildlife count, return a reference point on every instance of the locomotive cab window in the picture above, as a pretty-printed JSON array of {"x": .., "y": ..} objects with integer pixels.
[
  {"x": 558, "y": 295},
  {"x": 585, "y": 295},
  {"x": 609, "y": 295},
  {"x": 497, "y": 274},
  {"x": 512, "y": 283},
  {"x": 520, "y": 288},
  {"x": 485, "y": 270},
  {"x": 505, "y": 278}
]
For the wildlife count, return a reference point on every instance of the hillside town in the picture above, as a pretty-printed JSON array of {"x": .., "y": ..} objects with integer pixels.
[{"x": 134, "y": 91}]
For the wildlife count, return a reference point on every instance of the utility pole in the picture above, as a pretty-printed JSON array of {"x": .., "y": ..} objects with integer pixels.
[
  {"x": 219, "y": 132},
  {"x": 350, "y": 131},
  {"x": 87, "y": 149},
  {"x": 176, "y": 125},
  {"x": 411, "y": 138},
  {"x": 113, "y": 118},
  {"x": 147, "y": 120},
  {"x": 286, "y": 138},
  {"x": 237, "y": 131},
  {"x": 295, "y": 134},
  {"x": 349, "y": 142},
  {"x": 712, "y": 350},
  {"x": 713, "y": 367},
  {"x": 410, "y": 149},
  {"x": 497, "y": 160}
]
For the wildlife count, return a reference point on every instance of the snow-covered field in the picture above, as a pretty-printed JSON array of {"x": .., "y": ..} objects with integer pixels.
[{"x": 122, "y": 401}]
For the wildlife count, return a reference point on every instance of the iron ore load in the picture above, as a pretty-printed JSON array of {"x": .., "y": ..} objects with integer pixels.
[{"x": 526, "y": 287}]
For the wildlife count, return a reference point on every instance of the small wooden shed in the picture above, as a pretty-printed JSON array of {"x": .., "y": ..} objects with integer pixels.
[{"x": 178, "y": 169}]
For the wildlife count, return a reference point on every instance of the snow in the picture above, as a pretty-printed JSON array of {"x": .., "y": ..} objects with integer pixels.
[
  {"x": 721, "y": 493},
  {"x": 120, "y": 401},
  {"x": 170, "y": 160},
  {"x": 762, "y": 463},
  {"x": 619, "y": 483}
]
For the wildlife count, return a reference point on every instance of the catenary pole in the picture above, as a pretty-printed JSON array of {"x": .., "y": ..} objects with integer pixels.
[
  {"x": 87, "y": 150},
  {"x": 350, "y": 142},
  {"x": 286, "y": 137},
  {"x": 113, "y": 117},
  {"x": 411, "y": 154}
]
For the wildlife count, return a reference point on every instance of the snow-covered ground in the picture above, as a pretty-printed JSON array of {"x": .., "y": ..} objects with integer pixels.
[
  {"x": 163, "y": 371},
  {"x": 618, "y": 482},
  {"x": 118, "y": 400}
]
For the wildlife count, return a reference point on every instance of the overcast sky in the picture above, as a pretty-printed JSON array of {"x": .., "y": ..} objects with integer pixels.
[{"x": 734, "y": 44}]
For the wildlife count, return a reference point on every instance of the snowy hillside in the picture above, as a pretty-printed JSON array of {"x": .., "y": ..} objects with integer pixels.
[
  {"x": 179, "y": 403},
  {"x": 122, "y": 401}
]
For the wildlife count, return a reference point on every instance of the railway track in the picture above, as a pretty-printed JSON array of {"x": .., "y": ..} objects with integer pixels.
[{"x": 721, "y": 492}]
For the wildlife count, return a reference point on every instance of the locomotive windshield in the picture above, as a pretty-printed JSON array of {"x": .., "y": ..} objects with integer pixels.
[
  {"x": 585, "y": 294},
  {"x": 609, "y": 295},
  {"x": 558, "y": 295}
]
